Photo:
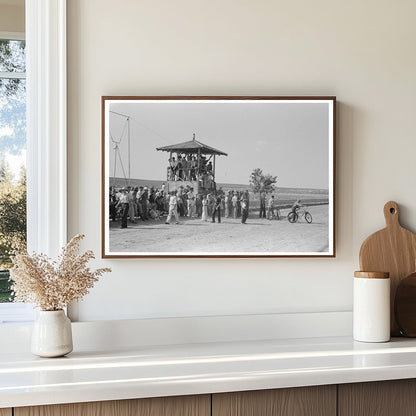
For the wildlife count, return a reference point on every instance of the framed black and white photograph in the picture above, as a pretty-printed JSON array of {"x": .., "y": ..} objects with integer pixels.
[{"x": 218, "y": 176}]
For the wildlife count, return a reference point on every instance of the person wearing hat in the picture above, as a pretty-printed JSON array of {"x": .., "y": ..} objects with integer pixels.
[
  {"x": 173, "y": 208},
  {"x": 143, "y": 200},
  {"x": 244, "y": 208},
  {"x": 124, "y": 203},
  {"x": 204, "y": 216},
  {"x": 234, "y": 201},
  {"x": 217, "y": 208},
  {"x": 270, "y": 207},
  {"x": 198, "y": 205},
  {"x": 139, "y": 202},
  {"x": 131, "y": 196}
]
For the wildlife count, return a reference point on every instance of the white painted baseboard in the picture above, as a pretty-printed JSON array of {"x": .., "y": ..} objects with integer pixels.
[{"x": 190, "y": 330}]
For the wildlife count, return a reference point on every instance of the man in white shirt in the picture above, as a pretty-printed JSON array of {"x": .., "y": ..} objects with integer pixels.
[
  {"x": 124, "y": 202},
  {"x": 131, "y": 197},
  {"x": 173, "y": 208}
]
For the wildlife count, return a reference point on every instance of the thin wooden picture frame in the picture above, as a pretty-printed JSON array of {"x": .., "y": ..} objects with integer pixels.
[{"x": 264, "y": 165}]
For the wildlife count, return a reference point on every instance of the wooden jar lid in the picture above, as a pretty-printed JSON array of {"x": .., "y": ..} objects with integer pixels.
[{"x": 372, "y": 275}]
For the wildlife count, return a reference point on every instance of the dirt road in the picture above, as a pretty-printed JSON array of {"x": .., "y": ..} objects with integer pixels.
[{"x": 230, "y": 236}]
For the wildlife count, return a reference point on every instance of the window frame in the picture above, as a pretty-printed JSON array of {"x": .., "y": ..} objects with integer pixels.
[
  {"x": 46, "y": 121},
  {"x": 46, "y": 125},
  {"x": 12, "y": 35}
]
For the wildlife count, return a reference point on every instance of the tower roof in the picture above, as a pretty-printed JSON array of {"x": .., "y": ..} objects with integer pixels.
[{"x": 192, "y": 146}]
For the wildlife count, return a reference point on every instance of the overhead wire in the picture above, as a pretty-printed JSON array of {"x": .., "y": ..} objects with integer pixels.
[
  {"x": 117, "y": 148},
  {"x": 140, "y": 123},
  {"x": 126, "y": 125}
]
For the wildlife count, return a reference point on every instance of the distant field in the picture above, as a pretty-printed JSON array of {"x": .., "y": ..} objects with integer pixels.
[{"x": 285, "y": 196}]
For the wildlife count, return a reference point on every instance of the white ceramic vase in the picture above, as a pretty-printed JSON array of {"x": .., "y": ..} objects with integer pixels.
[{"x": 52, "y": 334}]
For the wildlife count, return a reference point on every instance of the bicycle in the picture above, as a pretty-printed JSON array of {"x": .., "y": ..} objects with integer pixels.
[
  {"x": 273, "y": 214},
  {"x": 294, "y": 216}
]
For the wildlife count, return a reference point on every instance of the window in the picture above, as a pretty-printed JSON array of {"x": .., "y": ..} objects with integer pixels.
[
  {"x": 46, "y": 135},
  {"x": 12, "y": 155}
]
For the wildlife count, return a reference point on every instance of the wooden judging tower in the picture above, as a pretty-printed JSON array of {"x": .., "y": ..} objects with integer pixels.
[{"x": 191, "y": 163}]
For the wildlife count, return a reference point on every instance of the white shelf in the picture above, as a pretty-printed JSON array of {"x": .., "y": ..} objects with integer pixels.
[{"x": 168, "y": 370}]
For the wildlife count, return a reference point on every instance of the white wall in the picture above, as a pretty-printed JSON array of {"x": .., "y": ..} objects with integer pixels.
[
  {"x": 12, "y": 17},
  {"x": 361, "y": 51}
]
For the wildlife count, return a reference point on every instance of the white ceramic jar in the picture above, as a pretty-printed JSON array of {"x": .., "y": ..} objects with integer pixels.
[
  {"x": 371, "y": 307},
  {"x": 52, "y": 334}
]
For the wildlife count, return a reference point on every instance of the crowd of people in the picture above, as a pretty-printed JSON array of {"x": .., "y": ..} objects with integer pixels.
[
  {"x": 191, "y": 167},
  {"x": 142, "y": 203},
  {"x": 133, "y": 204},
  {"x": 136, "y": 203},
  {"x": 212, "y": 206}
]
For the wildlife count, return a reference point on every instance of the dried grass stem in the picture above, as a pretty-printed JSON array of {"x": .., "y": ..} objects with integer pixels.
[{"x": 53, "y": 285}]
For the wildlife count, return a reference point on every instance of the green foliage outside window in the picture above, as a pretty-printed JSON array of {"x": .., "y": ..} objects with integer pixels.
[
  {"x": 12, "y": 146},
  {"x": 12, "y": 224}
]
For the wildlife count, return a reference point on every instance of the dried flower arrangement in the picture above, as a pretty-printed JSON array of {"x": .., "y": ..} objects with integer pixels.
[{"x": 52, "y": 285}]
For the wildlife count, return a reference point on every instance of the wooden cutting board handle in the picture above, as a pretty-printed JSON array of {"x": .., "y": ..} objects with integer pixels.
[
  {"x": 391, "y": 214},
  {"x": 393, "y": 250}
]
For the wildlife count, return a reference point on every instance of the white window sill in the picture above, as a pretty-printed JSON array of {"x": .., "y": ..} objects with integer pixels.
[{"x": 16, "y": 313}]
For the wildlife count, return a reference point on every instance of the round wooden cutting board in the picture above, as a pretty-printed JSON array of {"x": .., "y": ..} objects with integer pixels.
[{"x": 392, "y": 250}]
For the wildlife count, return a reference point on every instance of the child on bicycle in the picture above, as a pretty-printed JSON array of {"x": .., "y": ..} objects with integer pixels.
[{"x": 296, "y": 206}]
